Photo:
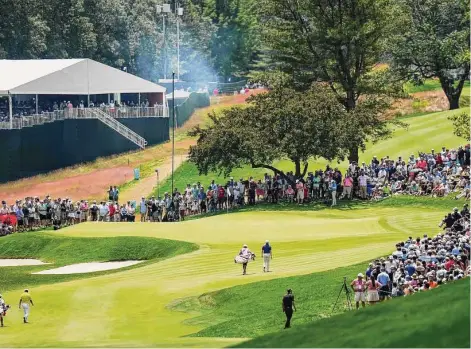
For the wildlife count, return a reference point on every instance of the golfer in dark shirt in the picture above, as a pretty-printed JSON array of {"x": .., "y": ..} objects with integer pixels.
[{"x": 288, "y": 306}]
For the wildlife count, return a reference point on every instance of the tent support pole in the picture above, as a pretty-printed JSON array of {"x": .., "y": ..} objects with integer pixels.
[
  {"x": 109, "y": 100},
  {"x": 37, "y": 109},
  {"x": 10, "y": 110},
  {"x": 88, "y": 101}
]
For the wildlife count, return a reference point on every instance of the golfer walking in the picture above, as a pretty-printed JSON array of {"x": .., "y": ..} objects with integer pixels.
[
  {"x": 288, "y": 306},
  {"x": 267, "y": 255},
  {"x": 25, "y": 301}
]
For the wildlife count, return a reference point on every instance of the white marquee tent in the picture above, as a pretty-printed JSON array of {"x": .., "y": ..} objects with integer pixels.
[{"x": 68, "y": 77}]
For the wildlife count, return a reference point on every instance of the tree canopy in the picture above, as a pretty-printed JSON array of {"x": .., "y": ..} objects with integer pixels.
[
  {"x": 435, "y": 43},
  {"x": 461, "y": 125},
  {"x": 285, "y": 124},
  {"x": 337, "y": 42},
  {"x": 218, "y": 37}
]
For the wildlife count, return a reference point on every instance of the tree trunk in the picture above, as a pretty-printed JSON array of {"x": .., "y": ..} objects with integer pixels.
[
  {"x": 297, "y": 165},
  {"x": 454, "y": 101},
  {"x": 353, "y": 155},
  {"x": 350, "y": 104}
]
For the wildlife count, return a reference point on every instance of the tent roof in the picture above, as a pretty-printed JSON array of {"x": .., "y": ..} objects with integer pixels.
[
  {"x": 179, "y": 94},
  {"x": 68, "y": 77}
]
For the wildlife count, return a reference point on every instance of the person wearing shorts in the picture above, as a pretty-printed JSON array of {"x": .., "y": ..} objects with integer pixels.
[{"x": 359, "y": 286}]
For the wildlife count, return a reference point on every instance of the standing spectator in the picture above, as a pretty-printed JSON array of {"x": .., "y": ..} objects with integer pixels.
[
  {"x": 373, "y": 287},
  {"x": 359, "y": 286},
  {"x": 363, "y": 182},
  {"x": 385, "y": 281},
  {"x": 333, "y": 190},
  {"x": 143, "y": 209},
  {"x": 299, "y": 192}
]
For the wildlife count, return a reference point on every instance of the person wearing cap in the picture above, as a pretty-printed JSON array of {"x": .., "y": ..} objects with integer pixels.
[
  {"x": 246, "y": 254},
  {"x": 267, "y": 255},
  {"x": 25, "y": 301},
  {"x": 288, "y": 306},
  {"x": 358, "y": 286}
]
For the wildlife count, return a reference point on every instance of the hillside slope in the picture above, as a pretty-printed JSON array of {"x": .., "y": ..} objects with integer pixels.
[{"x": 439, "y": 318}]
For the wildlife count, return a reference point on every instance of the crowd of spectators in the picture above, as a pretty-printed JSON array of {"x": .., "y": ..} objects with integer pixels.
[
  {"x": 28, "y": 107},
  {"x": 433, "y": 174},
  {"x": 420, "y": 264},
  {"x": 37, "y": 213}
]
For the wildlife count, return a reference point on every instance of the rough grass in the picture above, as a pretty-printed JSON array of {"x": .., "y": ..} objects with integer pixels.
[
  {"x": 62, "y": 250},
  {"x": 259, "y": 304},
  {"x": 435, "y": 319}
]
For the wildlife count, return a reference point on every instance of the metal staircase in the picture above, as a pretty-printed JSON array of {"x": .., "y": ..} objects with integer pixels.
[{"x": 118, "y": 127}]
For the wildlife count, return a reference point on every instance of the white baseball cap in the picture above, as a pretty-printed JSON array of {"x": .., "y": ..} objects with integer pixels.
[{"x": 360, "y": 275}]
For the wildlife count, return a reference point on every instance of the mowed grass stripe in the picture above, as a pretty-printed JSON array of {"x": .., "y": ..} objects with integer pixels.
[{"x": 137, "y": 313}]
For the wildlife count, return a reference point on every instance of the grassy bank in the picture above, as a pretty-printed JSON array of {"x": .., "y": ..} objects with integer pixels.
[
  {"x": 435, "y": 319},
  {"x": 62, "y": 250}
]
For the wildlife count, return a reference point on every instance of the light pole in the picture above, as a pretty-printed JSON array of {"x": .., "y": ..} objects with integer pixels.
[
  {"x": 179, "y": 12},
  {"x": 163, "y": 9},
  {"x": 173, "y": 127}
]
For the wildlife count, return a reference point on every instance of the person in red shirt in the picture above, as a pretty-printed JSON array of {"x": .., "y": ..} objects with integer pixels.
[
  {"x": 221, "y": 194},
  {"x": 449, "y": 263},
  {"x": 112, "y": 211},
  {"x": 422, "y": 164}
]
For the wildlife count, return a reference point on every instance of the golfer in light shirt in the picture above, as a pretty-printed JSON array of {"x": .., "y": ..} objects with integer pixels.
[{"x": 25, "y": 301}]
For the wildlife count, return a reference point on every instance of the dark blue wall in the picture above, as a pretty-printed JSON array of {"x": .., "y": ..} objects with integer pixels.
[{"x": 34, "y": 150}]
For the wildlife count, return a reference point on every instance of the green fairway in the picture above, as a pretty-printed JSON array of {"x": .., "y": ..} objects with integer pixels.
[
  {"x": 427, "y": 131},
  {"x": 63, "y": 250},
  {"x": 435, "y": 319},
  {"x": 133, "y": 307}
]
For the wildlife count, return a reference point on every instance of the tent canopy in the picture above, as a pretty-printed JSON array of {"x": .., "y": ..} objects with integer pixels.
[
  {"x": 179, "y": 94},
  {"x": 68, "y": 77}
]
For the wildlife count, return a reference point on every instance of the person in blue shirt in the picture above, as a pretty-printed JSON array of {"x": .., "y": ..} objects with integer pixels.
[
  {"x": 385, "y": 281},
  {"x": 267, "y": 255},
  {"x": 333, "y": 190},
  {"x": 410, "y": 268}
]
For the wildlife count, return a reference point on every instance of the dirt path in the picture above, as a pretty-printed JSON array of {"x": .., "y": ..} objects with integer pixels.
[{"x": 147, "y": 185}]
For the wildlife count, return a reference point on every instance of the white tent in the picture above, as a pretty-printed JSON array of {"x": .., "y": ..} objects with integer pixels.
[
  {"x": 179, "y": 94},
  {"x": 68, "y": 77}
]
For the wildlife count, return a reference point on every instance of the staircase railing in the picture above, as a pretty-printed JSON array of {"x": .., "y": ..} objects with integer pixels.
[{"x": 117, "y": 126}]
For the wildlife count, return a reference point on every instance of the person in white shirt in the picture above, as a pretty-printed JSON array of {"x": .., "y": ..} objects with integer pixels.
[{"x": 103, "y": 212}]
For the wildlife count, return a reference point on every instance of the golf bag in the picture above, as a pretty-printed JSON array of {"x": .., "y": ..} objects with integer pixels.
[{"x": 244, "y": 259}]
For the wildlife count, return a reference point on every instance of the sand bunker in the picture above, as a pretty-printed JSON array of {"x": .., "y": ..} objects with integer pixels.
[
  {"x": 19, "y": 262},
  {"x": 82, "y": 268}
]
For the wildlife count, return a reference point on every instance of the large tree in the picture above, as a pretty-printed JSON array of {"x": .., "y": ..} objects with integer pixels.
[
  {"x": 337, "y": 42},
  {"x": 435, "y": 44},
  {"x": 281, "y": 124}
]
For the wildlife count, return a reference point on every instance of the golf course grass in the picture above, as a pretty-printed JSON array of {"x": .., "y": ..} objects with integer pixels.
[
  {"x": 139, "y": 306},
  {"x": 438, "y": 318},
  {"x": 424, "y": 132},
  {"x": 62, "y": 250}
]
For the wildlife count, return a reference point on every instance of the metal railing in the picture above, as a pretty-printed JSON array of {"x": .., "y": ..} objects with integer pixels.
[
  {"x": 84, "y": 113},
  {"x": 117, "y": 126}
]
